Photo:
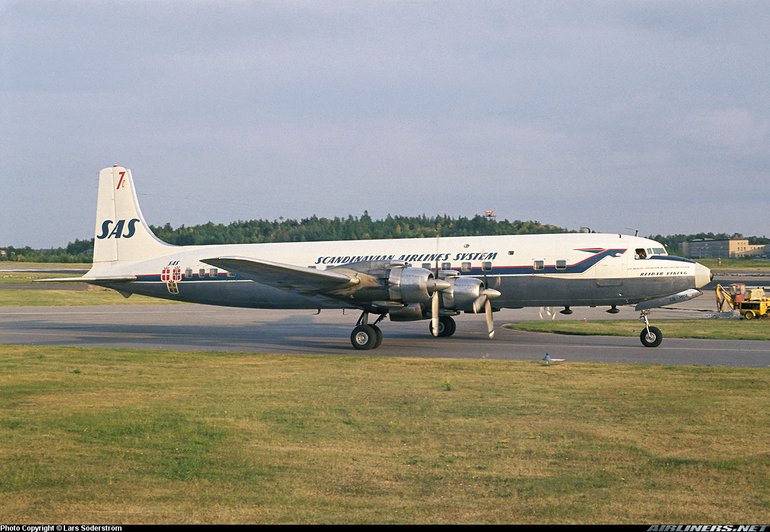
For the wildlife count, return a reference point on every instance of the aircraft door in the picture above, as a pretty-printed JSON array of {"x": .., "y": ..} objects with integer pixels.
[{"x": 609, "y": 271}]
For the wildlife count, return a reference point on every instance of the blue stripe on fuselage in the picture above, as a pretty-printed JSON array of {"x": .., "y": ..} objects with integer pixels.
[
  {"x": 597, "y": 255},
  {"x": 579, "y": 267}
]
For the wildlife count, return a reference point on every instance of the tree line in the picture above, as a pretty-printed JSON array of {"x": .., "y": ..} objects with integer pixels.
[{"x": 351, "y": 228}]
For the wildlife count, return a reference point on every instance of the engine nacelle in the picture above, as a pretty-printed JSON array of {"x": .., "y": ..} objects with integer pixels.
[
  {"x": 410, "y": 285},
  {"x": 463, "y": 292},
  {"x": 411, "y": 312}
]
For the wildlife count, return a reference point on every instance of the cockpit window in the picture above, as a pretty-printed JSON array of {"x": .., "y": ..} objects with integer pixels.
[{"x": 641, "y": 253}]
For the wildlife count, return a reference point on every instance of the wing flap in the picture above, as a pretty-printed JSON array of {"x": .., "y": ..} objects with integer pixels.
[{"x": 283, "y": 275}]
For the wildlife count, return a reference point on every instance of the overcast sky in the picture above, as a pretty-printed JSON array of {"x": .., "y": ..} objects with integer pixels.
[{"x": 613, "y": 115}]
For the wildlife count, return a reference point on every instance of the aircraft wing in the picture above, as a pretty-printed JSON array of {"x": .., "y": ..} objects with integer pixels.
[{"x": 285, "y": 276}]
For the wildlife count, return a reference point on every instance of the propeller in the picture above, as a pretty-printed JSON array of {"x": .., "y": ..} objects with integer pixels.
[
  {"x": 485, "y": 300},
  {"x": 436, "y": 285},
  {"x": 434, "y": 313},
  {"x": 548, "y": 311}
]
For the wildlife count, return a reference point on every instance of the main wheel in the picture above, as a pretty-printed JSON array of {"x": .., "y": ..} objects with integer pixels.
[
  {"x": 364, "y": 337},
  {"x": 749, "y": 315},
  {"x": 378, "y": 333},
  {"x": 651, "y": 337},
  {"x": 446, "y": 327}
]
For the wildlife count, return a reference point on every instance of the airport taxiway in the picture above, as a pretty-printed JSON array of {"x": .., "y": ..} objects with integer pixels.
[{"x": 200, "y": 327}]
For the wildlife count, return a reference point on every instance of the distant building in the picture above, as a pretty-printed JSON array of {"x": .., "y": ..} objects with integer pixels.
[{"x": 733, "y": 248}]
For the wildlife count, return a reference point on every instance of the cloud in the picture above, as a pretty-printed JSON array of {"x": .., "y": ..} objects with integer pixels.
[
  {"x": 569, "y": 112},
  {"x": 732, "y": 128}
]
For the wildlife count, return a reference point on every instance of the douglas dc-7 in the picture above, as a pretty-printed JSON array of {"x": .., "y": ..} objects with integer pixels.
[{"x": 403, "y": 279}]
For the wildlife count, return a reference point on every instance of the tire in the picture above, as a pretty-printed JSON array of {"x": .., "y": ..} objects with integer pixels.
[
  {"x": 446, "y": 327},
  {"x": 363, "y": 337},
  {"x": 449, "y": 326},
  {"x": 651, "y": 338},
  {"x": 749, "y": 315},
  {"x": 378, "y": 333}
]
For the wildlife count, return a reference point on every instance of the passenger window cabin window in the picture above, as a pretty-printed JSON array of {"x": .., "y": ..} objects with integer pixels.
[
  {"x": 446, "y": 265},
  {"x": 202, "y": 273},
  {"x": 539, "y": 265},
  {"x": 486, "y": 266},
  {"x": 427, "y": 265},
  {"x": 561, "y": 264},
  {"x": 188, "y": 273},
  {"x": 466, "y": 267},
  {"x": 213, "y": 272}
]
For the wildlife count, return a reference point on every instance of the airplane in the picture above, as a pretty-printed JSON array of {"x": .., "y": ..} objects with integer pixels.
[{"x": 403, "y": 279}]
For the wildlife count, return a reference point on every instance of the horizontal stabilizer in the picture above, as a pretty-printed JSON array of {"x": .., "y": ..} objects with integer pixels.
[
  {"x": 283, "y": 275},
  {"x": 89, "y": 279},
  {"x": 80, "y": 271}
]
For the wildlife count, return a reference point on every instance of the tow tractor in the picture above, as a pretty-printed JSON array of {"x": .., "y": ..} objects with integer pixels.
[{"x": 750, "y": 303}]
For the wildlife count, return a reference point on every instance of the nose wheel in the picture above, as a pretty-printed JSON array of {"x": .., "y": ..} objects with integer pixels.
[{"x": 650, "y": 335}]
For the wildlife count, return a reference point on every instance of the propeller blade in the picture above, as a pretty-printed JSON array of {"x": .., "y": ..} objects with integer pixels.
[
  {"x": 490, "y": 322},
  {"x": 434, "y": 313},
  {"x": 478, "y": 303}
]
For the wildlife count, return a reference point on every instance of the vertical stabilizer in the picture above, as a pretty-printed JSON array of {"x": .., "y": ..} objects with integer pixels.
[{"x": 121, "y": 232}]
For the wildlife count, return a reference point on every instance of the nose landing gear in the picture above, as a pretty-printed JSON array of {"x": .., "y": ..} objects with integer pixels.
[{"x": 650, "y": 336}]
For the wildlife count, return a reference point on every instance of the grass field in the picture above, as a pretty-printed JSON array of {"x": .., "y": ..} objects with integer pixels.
[
  {"x": 718, "y": 329},
  {"x": 98, "y": 435}
]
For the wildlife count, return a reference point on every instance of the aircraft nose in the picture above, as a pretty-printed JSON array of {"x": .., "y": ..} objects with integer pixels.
[{"x": 703, "y": 275}]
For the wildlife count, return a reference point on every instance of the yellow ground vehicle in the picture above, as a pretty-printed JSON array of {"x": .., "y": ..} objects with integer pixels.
[{"x": 751, "y": 303}]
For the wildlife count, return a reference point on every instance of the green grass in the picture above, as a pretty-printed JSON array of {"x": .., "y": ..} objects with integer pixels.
[
  {"x": 716, "y": 329},
  {"x": 107, "y": 435}
]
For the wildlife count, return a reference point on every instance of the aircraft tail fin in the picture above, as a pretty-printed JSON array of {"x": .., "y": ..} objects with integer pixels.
[{"x": 121, "y": 231}]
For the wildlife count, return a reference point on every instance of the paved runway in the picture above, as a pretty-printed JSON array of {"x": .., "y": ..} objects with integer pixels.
[{"x": 198, "y": 327}]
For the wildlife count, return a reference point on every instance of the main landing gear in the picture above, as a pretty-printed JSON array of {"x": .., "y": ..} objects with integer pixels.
[
  {"x": 446, "y": 327},
  {"x": 366, "y": 336},
  {"x": 650, "y": 336}
]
